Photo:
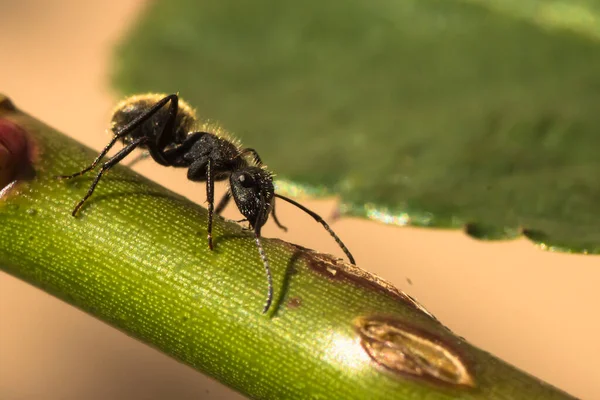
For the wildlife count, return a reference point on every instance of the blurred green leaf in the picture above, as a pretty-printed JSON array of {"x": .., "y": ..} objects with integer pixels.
[{"x": 440, "y": 113}]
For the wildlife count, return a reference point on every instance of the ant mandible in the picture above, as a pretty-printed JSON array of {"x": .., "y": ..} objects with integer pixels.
[{"x": 169, "y": 135}]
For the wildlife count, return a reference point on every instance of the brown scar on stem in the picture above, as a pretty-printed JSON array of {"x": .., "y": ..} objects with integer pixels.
[
  {"x": 336, "y": 269},
  {"x": 412, "y": 352},
  {"x": 294, "y": 302}
]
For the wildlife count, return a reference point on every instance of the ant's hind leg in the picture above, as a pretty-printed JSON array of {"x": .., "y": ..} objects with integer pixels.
[
  {"x": 105, "y": 167},
  {"x": 166, "y": 135},
  {"x": 95, "y": 162},
  {"x": 142, "y": 156},
  {"x": 127, "y": 129}
]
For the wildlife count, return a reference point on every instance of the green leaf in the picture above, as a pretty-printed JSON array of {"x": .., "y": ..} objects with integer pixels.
[{"x": 446, "y": 113}]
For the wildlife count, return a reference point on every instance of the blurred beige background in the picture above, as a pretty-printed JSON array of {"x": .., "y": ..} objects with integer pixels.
[{"x": 536, "y": 310}]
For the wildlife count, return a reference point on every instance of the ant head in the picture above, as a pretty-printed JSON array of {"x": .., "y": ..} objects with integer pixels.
[
  {"x": 253, "y": 191},
  {"x": 135, "y": 106}
]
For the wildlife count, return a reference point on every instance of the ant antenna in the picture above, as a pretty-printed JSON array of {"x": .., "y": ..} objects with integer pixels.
[
  {"x": 322, "y": 222},
  {"x": 265, "y": 261},
  {"x": 263, "y": 255},
  {"x": 255, "y": 155}
]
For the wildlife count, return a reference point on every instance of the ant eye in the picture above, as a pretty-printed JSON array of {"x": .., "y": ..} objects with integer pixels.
[{"x": 246, "y": 180}]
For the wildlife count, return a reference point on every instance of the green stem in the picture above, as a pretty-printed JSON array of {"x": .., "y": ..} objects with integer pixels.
[{"x": 136, "y": 257}]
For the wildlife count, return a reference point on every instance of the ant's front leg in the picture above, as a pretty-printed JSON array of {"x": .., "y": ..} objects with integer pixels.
[{"x": 223, "y": 203}]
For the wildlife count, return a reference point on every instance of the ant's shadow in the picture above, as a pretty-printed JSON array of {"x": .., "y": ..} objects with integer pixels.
[
  {"x": 83, "y": 182},
  {"x": 291, "y": 269},
  {"x": 244, "y": 233}
]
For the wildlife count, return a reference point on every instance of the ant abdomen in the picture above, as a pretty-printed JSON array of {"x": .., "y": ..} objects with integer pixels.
[{"x": 138, "y": 106}]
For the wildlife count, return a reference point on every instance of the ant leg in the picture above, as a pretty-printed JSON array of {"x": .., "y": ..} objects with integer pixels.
[
  {"x": 165, "y": 137},
  {"x": 202, "y": 169},
  {"x": 105, "y": 167},
  {"x": 139, "y": 158},
  {"x": 210, "y": 197},
  {"x": 124, "y": 131},
  {"x": 95, "y": 162},
  {"x": 282, "y": 227},
  {"x": 320, "y": 220},
  {"x": 147, "y": 115},
  {"x": 223, "y": 203}
]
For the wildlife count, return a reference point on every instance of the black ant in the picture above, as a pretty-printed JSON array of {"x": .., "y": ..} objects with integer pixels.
[{"x": 169, "y": 135}]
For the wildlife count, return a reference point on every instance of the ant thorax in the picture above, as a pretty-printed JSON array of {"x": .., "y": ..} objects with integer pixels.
[
  {"x": 136, "y": 106},
  {"x": 225, "y": 155}
]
